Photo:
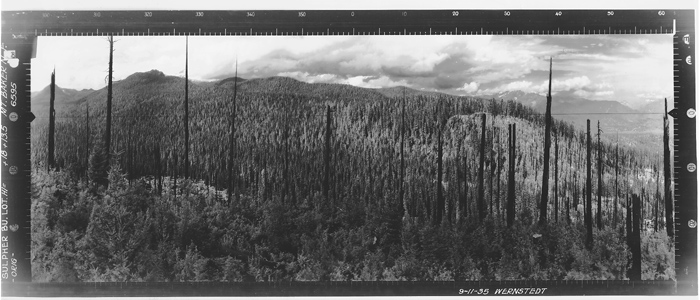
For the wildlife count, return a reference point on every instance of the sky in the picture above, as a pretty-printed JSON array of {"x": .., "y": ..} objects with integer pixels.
[{"x": 632, "y": 69}]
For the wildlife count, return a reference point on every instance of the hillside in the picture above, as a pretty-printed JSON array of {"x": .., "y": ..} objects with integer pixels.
[
  {"x": 148, "y": 112},
  {"x": 641, "y": 129},
  {"x": 322, "y": 189}
]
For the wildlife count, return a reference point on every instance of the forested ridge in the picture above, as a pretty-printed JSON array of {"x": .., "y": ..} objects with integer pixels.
[{"x": 330, "y": 182}]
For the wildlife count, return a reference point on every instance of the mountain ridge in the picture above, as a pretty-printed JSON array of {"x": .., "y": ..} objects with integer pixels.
[
  {"x": 65, "y": 98},
  {"x": 615, "y": 116}
]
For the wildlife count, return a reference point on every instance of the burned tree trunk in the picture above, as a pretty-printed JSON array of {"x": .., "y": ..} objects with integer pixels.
[
  {"x": 628, "y": 220},
  {"x": 556, "y": 179},
  {"x": 656, "y": 203},
  {"x": 159, "y": 179},
  {"x": 510, "y": 205},
  {"x": 175, "y": 175},
  {"x": 440, "y": 204},
  {"x": 572, "y": 183},
  {"x": 599, "y": 214},
  {"x": 129, "y": 155},
  {"x": 327, "y": 156},
  {"x": 232, "y": 141},
  {"x": 187, "y": 111},
  {"x": 481, "y": 205},
  {"x": 52, "y": 122},
  {"x": 403, "y": 167},
  {"x": 492, "y": 166},
  {"x": 108, "y": 128},
  {"x": 641, "y": 199},
  {"x": 499, "y": 160},
  {"x": 87, "y": 138},
  {"x": 450, "y": 204},
  {"x": 588, "y": 215},
  {"x": 617, "y": 192},
  {"x": 579, "y": 163},
  {"x": 463, "y": 199},
  {"x": 547, "y": 145},
  {"x": 285, "y": 175},
  {"x": 370, "y": 181},
  {"x": 636, "y": 270}
]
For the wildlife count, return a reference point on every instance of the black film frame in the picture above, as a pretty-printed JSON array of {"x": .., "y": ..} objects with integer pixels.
[{"x": 21, "y": 28}]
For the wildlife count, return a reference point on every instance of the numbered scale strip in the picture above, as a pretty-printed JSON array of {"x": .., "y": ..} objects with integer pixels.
[
  {"x": 20, "y": 29},
  {"x": 685, "y": 157},
  {"x": 341, "y": 22}
]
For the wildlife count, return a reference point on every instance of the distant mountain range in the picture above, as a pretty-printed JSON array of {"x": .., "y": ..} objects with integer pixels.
[
  {"x": 614, "y": 116},
  {"x": 150, "y": 103},
  {"x": 65, "y": 99}
]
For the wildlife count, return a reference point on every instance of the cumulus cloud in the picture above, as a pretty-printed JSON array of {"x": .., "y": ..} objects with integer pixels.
[
  {"x": 469, "y": 88},
  {"x": 632, "y": 68},
  {"x": 568, "y": 84},
  {"x": 525, "y": 86},
  {"x": 374, "y": 82},
  {"x": 580, "y": 86},
  {"x": 320, "y": 78}
]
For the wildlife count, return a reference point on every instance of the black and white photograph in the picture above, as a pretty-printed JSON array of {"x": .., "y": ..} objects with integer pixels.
[{"x": 352, "y": 158}]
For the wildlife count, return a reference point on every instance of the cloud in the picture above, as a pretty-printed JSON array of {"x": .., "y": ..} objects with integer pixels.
[
  {"x": 469, "y": 88},
  {"x": 569, "y": 84},
  {"x": 374, "y": 82},
  {"x": 320, "y": 78},
  {"x": 525, "y": 86},
  {"x": 594, "y": 95},
  {"x": 592, "y": 66},
  {"x": 439, "y": 63}
]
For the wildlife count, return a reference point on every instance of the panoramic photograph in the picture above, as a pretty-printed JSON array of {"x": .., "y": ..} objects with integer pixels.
[{"x": 352, "y": 158}]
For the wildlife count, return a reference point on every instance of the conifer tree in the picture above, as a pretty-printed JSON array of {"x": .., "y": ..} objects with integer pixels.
[{"x": 96, "y": 171}]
